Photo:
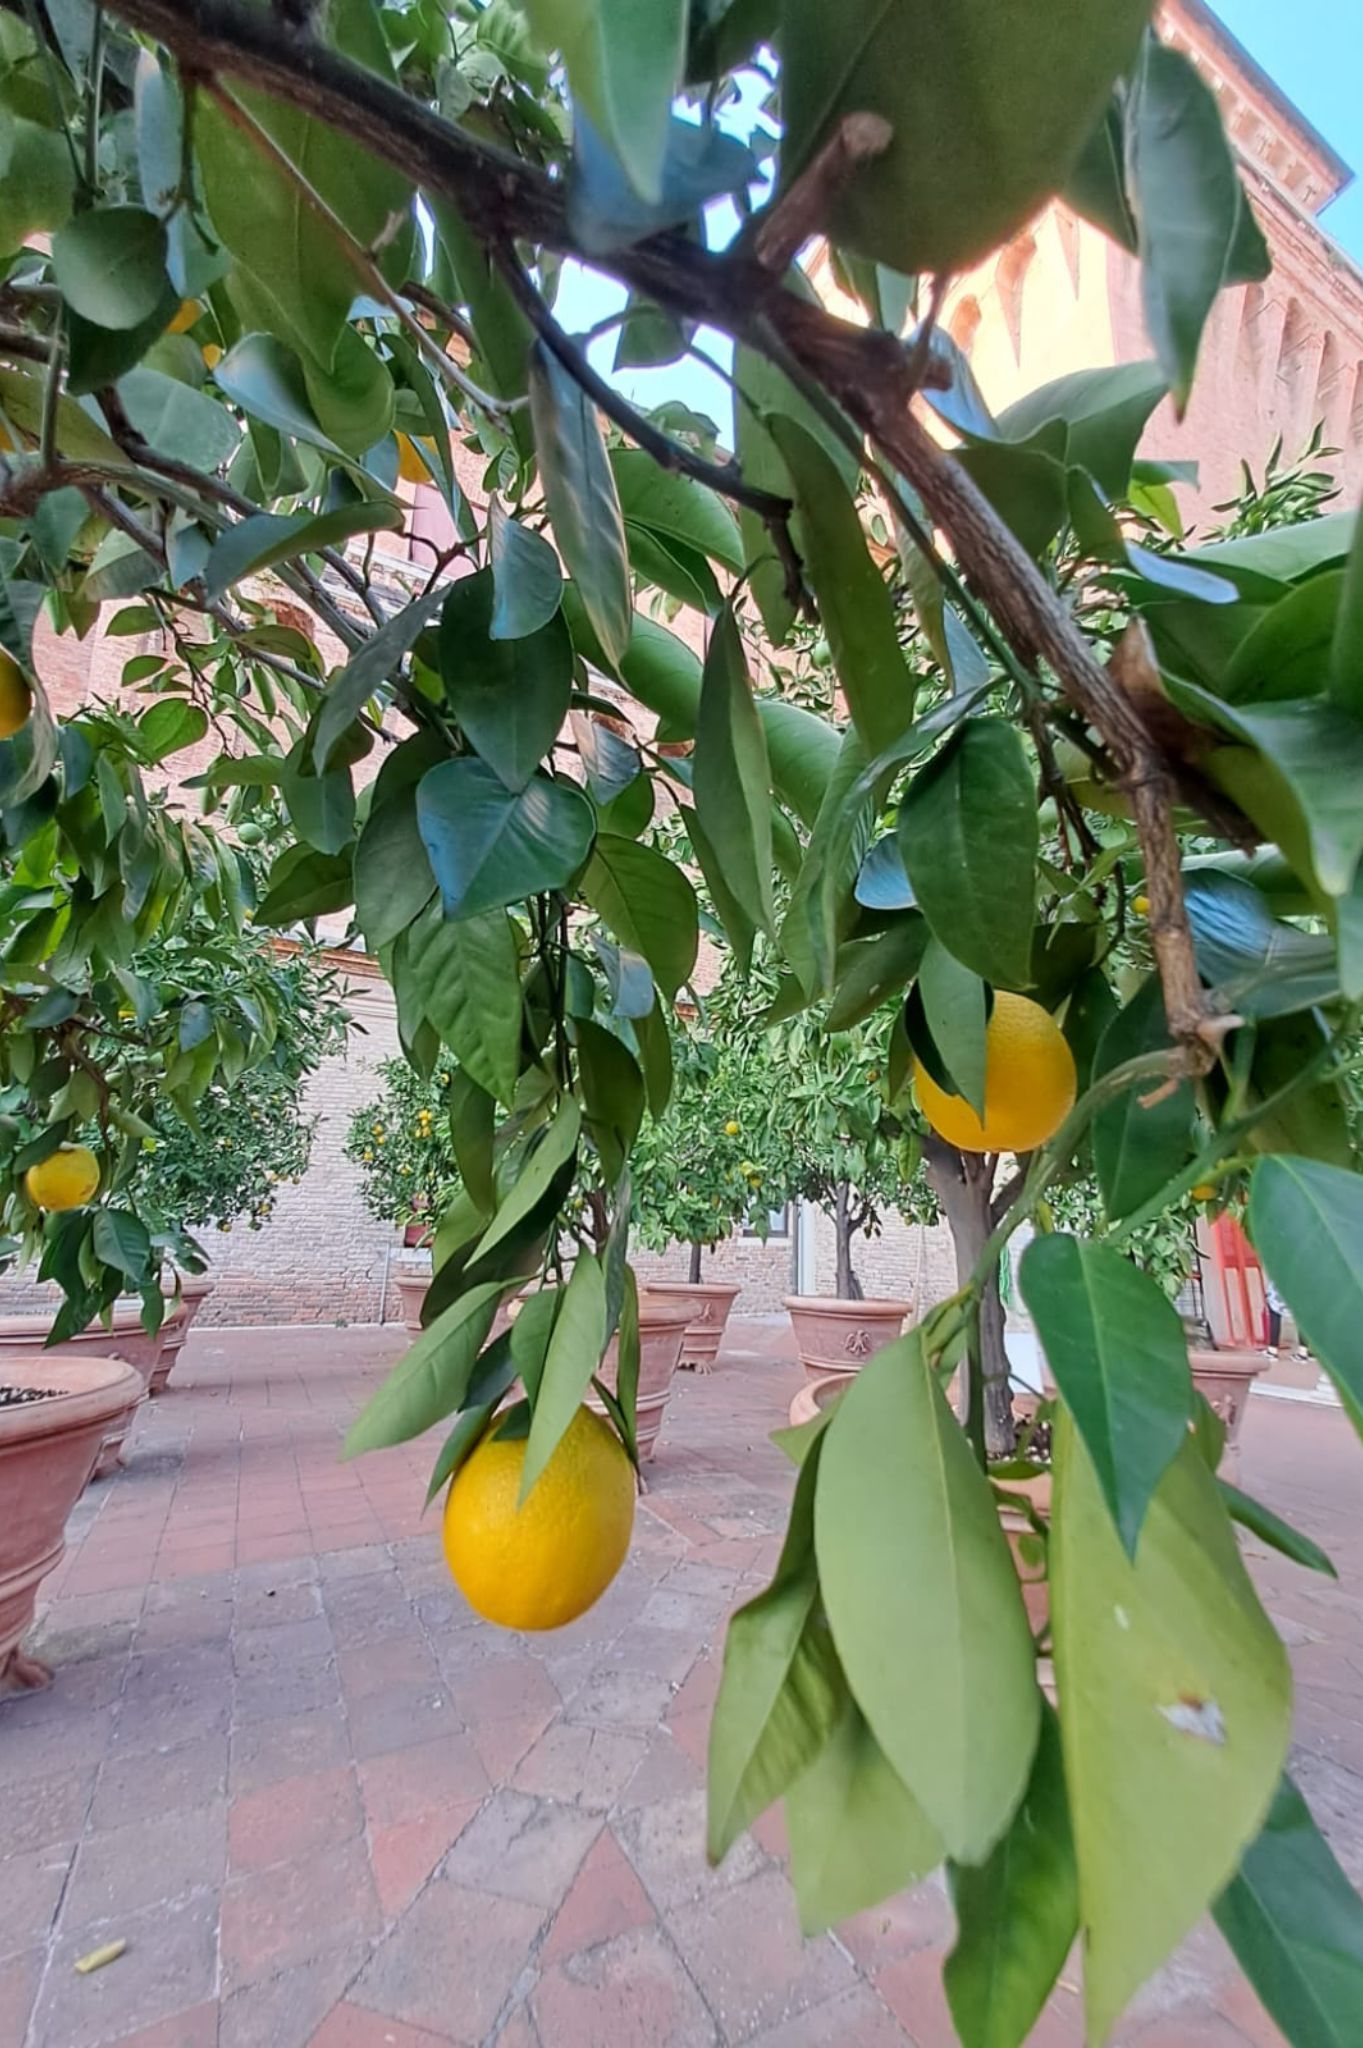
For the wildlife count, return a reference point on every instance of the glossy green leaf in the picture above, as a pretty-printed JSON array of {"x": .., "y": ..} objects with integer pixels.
[
  {"x": 1115, "y": 1344},
  {"x": 1313, "y": 1120},
  {"x": 110, "y": 264},
  {"x": 731, "y": 775},
  {"x": 510, "y": 696},
  {"x": 257, "y": 543},
  {"x": 854, "y": 601},
  {"x": 1306, "y": 1220},
  {"x": 352, "y": 687},
  {"x": 1274, "y": 1531},
  {"x": 123, "y": 1241},
  {"x": 1259, "y": 965},
  {"x": 990, "y": 106},
  {"x": 969, "y": 836},
  {"x": 1017, "y": 1913},
  {"x": 671, "y": 565},
  {"x": 1139, "y": 1144},
  {"x": 1025, "y": 486},
  {"x": 394, "y": 880},
  {"x": 37, "y": 183},
  {"x": 305, "y": 884},
  {"x": 1104, "y": 413},
  {"x": 584, "y": 507},
  {"x": 956, "y": 1013},
  {"x": 430, "y": 1380},
  {"x": 1296, "y": 1925},
  {"x": 501, "y": 330},
  {"x": 781, "y": 1691},
  {"x": 870, "y": 971},
  {"x": 530, "y": 1334},
  {"x": 547, "y": 1156},
  {"x": 353, "y": 397},
  {"x": 612, "y": 1093},
  {"x": 609, "y": 763},
  {"x": 857, "y": 1834},
  {"x": 177, "y": 420},
  {"x": 525, "y": 575},
  {"x": 1287, "y": 652},
  {"x": 466, "y": 974},
  {"x": 489, "y": 846},
  {"x": 1185, "y": 195},
  {"x": 675, "y": 507},
  {"x": 575, "y": 1348},
  {"x": 648, "y": 904},
  {"x": 473, "y": 1119},
  {"x": 822, "y": 902},
  {"x": 624, "y": 60},
  {"x": 1346, "y": 655},
  {"x": 1177, "y": 1707},
  {"x": 170, "y": 725},
  {"x": 79, "y": 437},
  {"x": 923, "y": 1599},
  {"x": 266, "y": 380}
]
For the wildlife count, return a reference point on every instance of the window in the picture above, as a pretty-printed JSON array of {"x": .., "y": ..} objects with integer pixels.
[{"x": 778, "y": 1224}]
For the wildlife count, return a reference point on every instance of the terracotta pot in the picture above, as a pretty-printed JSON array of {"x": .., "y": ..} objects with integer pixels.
[
  {"x": 814, "y": 1396},
  {"x": 1226, "y": 1377},
  {"x": 834, "y": 1336},
  {"x": 1036, "y": 1588},
  {"x": 125, "y": 1339},
  {"x": 48, "y": 1450},
  {"x": 662, "y": 1332},
  {"x": 707, "y": 1303},
  {"x": 195, "y": 1289},
  {"x": 412, "y": 1283}
]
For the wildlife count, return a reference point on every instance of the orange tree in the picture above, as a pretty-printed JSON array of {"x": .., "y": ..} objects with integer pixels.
[{"x": 255, "y": 269}]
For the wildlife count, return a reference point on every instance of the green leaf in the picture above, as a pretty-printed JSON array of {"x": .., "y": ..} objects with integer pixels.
[
  {"x": 624, "y": 62},
  {"x": 675, "y": 507},
  {"x": 266, "y": 380},
  {"x": 1185, "y": 195},
  {"x": 1138, "y": 1144},
  {"x": 473, "y": 1116},
  {"x": 969, "y": 836},
  {"x": 489, "y": 847},
  {"x": 394, "y": 880},
  {"x": 466, "y": 974},
  {"x": 1114, "y": 1341},
  {"x": 781, "y": 1691},
  {"x": 306, "y": 884},
  {"x": 1274, "y": 1531},
  {"x": 872, "y": 970},
  {"x": 123, "y": 1241},
  {"x": 459, "y": 1444},
  {"x": 990, "y": 106},
  {"x": 1313, "y": 1120},
  {"x": 854, "y": 601},
  {"x": 1177, "y": 1711},
  {"x": 1026, "y": 487},
  {"x": 353, "y": 397},
  {"x": 1346, "y": 661},
  {"x": 525, "y": 575},
  {"x": 648, "y": 904},
  {"x": 609, "y": 763},
  {"x": 429, "y": 1381},
  {"x": 1288, "y": 650},
  {"x": 857, "y": 1834},
  {"x": 178, "y": 420},
  {"x": 170, "y": 725},
  {"x": 542, "y": 1164},
  {"x": 510, "y": 696},
  {"x": 1306, "y": 1220},
  {"x": 365, "y": 673},
  {"x": 612, "y": 1093},
  {"x": 579, "y": 489},
  {"x": 1017, "y": 1913},
  {"x": 37, "y": 183},
  {"x": 501, "y": 331},
  {"x": 110, "y": 264},
  {"x": 268, "y": 537},
  {"x": 956, "y": 1013},
  {"x": 672, "y": 566},
  {"x": 530, "y": 1334},
  {"x": 1104, "y": 413},
  {"x": 1258, "y": 964},
  {"x": 731, "y": 775},
  {"x": 575, "y": 1348},
  {"x": 1296, "y": 1925},
  {"x": 923, "y": 1599}
]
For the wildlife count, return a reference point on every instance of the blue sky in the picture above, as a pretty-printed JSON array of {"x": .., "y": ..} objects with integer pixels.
[{"x": 1313, "y": 50}]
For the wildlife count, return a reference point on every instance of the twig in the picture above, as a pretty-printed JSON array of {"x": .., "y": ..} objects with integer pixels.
[{"x": 776, "y": 236}]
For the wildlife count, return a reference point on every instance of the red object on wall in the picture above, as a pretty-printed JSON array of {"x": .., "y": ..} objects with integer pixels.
[{"x": 1232, "y": 1284}]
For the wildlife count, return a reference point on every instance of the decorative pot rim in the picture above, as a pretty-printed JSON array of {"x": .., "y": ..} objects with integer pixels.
[
  {"x": 664, "y": 1315},
  {"x": 97, "y": 1390},
  {"x": 1239, "y": 1361},
  {"x": 691, "y": 1287},
  {"x": 834, "y": 1304}
]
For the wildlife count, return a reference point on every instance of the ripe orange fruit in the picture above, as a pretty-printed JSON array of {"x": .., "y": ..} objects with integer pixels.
[
  {"x": 1141, "y": 905},
  {"x": 187, "y": 313},
  {"x": 1205, "y": 1191},
  {"x": 411, "y": 468},
  {"x": 16, "y": 697},
  {"x": 540, "y": 1564},
  {"x": 212, "y": 354},
  {"x": 1029, "y": 1084},
  {"x": 66, "y": 1179}
]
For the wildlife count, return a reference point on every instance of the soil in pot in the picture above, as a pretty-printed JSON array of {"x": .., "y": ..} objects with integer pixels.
[{"x": 54, "y": 1417}]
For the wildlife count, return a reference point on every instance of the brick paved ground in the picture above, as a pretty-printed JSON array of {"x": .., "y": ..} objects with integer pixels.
[{"x": 323, "y": 1804}]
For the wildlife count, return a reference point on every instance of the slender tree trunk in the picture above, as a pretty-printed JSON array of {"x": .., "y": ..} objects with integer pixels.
[
  {"x": 963, "y": 1183},
  {"x": 796, "y": 1276},
  {"x": 693, "y": 1270},
  {"x": 847, "y": 1285}
]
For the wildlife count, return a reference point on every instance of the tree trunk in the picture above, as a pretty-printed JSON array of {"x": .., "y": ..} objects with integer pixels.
[
  {"x": 693, "y": 1270},
  {"x": 846, "y": 1284},
  {"x": 963, "y": 1183}
]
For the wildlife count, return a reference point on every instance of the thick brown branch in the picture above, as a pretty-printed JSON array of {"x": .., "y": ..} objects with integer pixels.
[{"x": 801, "y": 211}]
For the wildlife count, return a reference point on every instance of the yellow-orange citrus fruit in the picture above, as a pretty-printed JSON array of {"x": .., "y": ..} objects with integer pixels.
[
  {"x": 1029, "y": 1084},
  {"x": 16, "y": 698},
  {"x": 1205, "y": 1191},
  {"x": 731, "y": 1129},
  {"x": 212, "y": 354},
  {"x": 540, "y": 1564},
  {"x": 1141, "y": 905},
  {"x": 411, "y": 468},
  {"x": 66, "y": 1179},
  {"x": 188, "y": 313}
]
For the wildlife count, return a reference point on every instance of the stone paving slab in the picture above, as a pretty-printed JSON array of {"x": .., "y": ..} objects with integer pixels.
[{"x": 324, "y": 1804}]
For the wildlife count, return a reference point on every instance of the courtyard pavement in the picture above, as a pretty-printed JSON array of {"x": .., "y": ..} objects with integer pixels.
[{"x": 323, "y": 1804}]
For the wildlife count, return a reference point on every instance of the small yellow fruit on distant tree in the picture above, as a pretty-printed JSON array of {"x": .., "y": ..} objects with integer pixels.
[
  {"x": 540, "y": 1563},
  {"x": 1029, "y": 1084},
  {"x": 731, "y": 1129},
  {"x": 1205, "y": 1191},
  {"x": 16, "y": 696},
  {"x": 188, "y": 312},
  {"x": 1141, "y": 905},
  {"x": 212, "y": 354},
  {"x": 66, "y": 1179}
]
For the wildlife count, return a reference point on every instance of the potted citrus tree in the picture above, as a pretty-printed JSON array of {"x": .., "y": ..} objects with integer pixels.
[{"x": 401, "y": 1142}]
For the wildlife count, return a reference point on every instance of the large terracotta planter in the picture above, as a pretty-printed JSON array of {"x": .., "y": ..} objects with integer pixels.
[
  {"x": 662, "y": 1332},
  {"x": 837, "y": 1337},
  {"x": 195, "y": 1289},
  {"x": 48, "y": 1450},
  {"x": 707, "y": 1303},
  {"x": 125, "y": 1339},
  {"x": 814, "y": 1396},
  {"x": 1226, "y": 1377},
  {"x": 412, "y": 1283},
  {"x": 1018, "y": 1528}
]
